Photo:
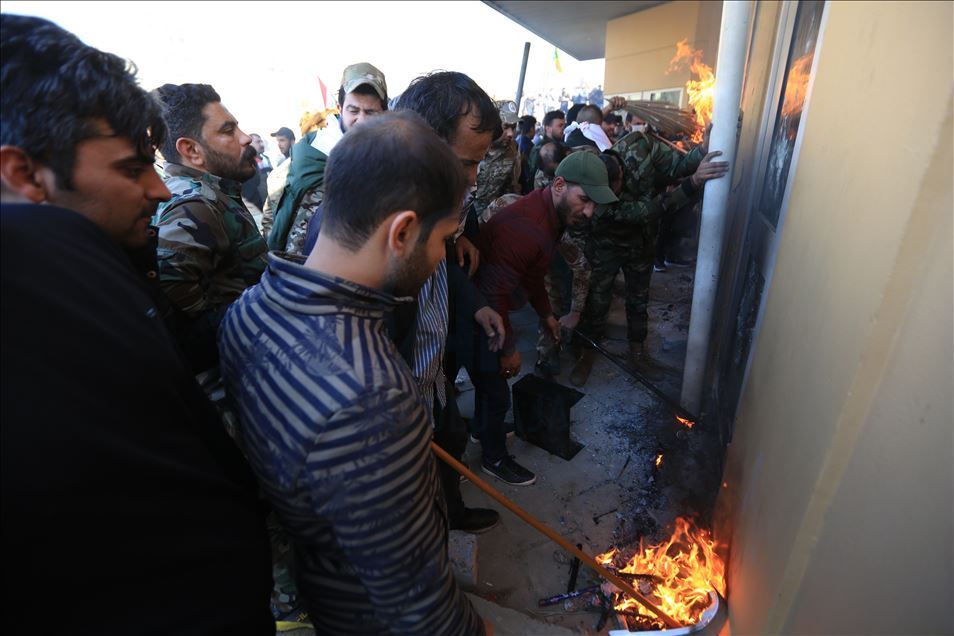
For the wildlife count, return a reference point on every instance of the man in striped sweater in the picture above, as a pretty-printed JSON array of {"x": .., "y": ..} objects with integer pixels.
[{"x": 333, "y": 420}]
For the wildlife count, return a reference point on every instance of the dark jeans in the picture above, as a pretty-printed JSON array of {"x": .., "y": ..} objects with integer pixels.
[
  {"x": 491, "y": 402},
  {"x": 451, "y": 435},
  {"x": 491, "y": 399}
]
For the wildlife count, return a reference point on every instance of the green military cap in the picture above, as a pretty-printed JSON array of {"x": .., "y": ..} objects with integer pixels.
[
  {"x": 587, "y": 171},
  {"x": 364, "y": 73},
  {"x": 508, "y": 111}
]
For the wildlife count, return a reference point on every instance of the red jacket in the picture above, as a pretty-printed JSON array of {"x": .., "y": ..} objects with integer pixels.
[{"x": 516, "y": 247}]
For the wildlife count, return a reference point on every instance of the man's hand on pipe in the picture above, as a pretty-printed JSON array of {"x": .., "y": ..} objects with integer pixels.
[{"x": 709, "y": 169}]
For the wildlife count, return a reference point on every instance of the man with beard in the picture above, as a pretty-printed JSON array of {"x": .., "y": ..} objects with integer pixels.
[
  {"x": 335, "y": 423},
  {"x": 553, "y": 124},
  {"x": 517, "y": 245},
  {"x": 210, "y": 249},
  {"x": 118, "y": 482},
  {"x": 363, "y": 94}
]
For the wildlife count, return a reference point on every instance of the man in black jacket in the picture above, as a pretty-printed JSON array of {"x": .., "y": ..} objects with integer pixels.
[{"x": 125, "y": 505}]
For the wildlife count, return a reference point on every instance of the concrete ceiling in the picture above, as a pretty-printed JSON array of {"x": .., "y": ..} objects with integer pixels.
[{"x": 579, "y": 28}]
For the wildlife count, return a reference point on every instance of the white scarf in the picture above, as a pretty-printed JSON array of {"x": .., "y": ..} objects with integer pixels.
[{"x": 593, "y": 132}]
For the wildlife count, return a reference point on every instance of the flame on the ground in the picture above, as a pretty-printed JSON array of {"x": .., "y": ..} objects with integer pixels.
[
  {"x": 685, "y": 422},
  {"x": 659, "y": 460},
  {"x": 680, "y": 571},
  {"x": 796, "y": 85},
  {"x": 701, "y": 91}
]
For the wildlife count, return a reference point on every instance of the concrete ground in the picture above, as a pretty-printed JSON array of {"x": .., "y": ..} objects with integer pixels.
[{"x": 611, "y": 492}]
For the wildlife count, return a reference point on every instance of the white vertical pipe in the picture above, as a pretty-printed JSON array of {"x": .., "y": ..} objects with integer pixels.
[{"x": 730, "y": 70}]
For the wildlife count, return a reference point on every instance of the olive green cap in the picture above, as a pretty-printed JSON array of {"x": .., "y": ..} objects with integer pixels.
[
  {"x": 364, "y": 73},
  {"x": 586, "y": 170}
]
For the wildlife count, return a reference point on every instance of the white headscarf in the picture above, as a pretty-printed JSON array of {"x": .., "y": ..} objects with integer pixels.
[{"x": 593, "y": 132}]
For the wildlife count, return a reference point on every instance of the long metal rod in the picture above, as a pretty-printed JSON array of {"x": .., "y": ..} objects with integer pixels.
[
  {"x": 636, "y": 375},
  {"x": 586, "y": 559},
  {"x": 523, "y": 73}
]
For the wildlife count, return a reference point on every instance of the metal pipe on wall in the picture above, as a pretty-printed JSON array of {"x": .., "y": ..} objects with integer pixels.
[
  {"x": 523, "y": 73},
  {"x": 730, "y": 72}
]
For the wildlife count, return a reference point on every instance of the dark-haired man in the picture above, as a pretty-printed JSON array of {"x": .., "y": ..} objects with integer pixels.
[
  {"x": 553, "y": 124},
  {"x": 140, "y": 495},
  {"x": 427, "y": 332},
  {"x": 210, "y": 248},
  {"x": 363, "y": 94},
  {"x": 518, "y": 244},
  {"x": 550, "y": 156},
  {"x": 436, "y": 337},
  {"x": 335, "y": 424},
  {"x": 285, "y": 139}
]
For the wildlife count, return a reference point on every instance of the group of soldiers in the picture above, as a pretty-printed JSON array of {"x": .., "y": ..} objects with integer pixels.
[{"x": 651, "y": 180}]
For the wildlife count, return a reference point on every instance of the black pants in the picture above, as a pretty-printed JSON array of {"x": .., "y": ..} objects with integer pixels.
[{"x": 451, "y": 435}]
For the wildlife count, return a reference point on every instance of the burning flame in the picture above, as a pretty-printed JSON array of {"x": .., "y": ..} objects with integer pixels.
[
  {"x": 659, "y": 460},
  {"x": 685, "y": 422},
  {"x": 679, "y": 573},
  {"x": 701, "y": 91},
  {"x": 796, "y": 85}
]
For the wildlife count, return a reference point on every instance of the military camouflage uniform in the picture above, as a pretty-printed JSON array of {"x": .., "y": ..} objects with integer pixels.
[
  {"x": 623, "y": 234},
  {"x": 299, "y": 229},
  {"x": 210, "y": 249},
  {"x": 497, "y": 174}
]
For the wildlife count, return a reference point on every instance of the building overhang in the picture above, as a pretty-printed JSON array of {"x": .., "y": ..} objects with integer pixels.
[{"x": 579, "y": 28}]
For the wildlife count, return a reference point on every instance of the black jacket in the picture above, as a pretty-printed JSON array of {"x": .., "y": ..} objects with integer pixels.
[{"x": 126, "y": 508}]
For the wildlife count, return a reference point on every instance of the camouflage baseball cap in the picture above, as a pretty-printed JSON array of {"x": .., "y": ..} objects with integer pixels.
[
  {"x": 364, "y": 73},
  {"x": 508, "y": 112},
  {"x": 587, "y": 171}
]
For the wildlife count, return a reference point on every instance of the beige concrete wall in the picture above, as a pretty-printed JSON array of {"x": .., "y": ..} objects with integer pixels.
[
  {"x": 639, "y": 46},
  {"x": 839, "y": 504}
]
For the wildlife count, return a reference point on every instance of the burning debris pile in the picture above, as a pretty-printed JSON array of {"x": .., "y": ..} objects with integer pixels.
[{"x": 677, "y": 574}]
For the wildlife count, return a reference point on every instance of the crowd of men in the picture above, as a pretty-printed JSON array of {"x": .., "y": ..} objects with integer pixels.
[{"x": 182, "y": 385}]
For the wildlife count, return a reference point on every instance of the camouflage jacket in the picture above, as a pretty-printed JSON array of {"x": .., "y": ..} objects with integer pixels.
[
  {"x": 299, "y": 229},
  {"x": 498, "y": 174},
  {"x": 648, "y": 167},
  {"x": 210, "y": 249},
  {"x": 541, "y": 180},
  {"x": 571, "y": 248}
]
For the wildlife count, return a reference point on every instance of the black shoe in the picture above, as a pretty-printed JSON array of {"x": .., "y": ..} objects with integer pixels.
[
  {"x": 510, "y": 472},
  {"x": 476, "y": 520}
]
